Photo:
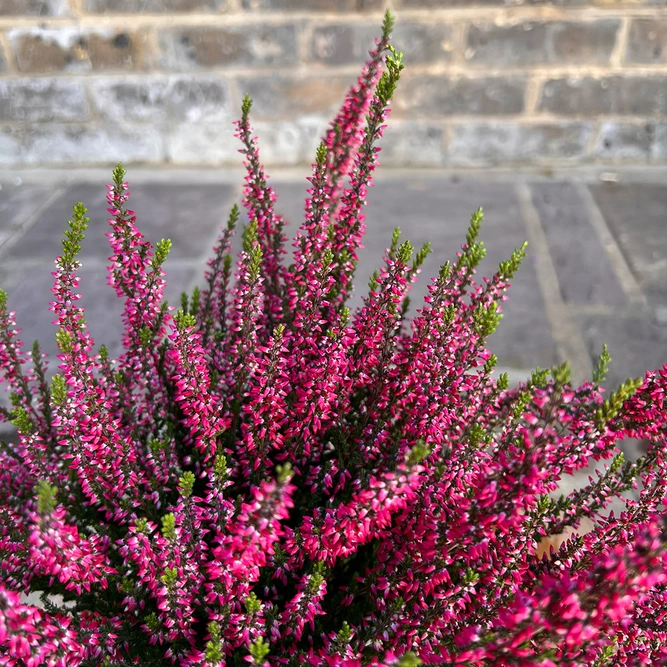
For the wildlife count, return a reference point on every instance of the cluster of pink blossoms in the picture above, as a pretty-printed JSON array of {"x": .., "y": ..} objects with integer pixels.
[{"x": 264, "y": 477}]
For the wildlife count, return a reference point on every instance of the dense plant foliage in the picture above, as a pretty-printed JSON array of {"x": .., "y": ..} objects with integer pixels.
[{"x": 266, "y": 477}]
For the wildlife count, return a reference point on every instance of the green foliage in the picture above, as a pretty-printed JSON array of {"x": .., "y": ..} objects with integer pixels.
[
  {"x": 156, "y": 446},
  {"x": 213, "y": 651},
  {"x": 170, "y": 576},
  {"x": 246, "y": 105},
  {"x": 562, "y": 374},
  {"x": 387, "y": 25},
  {"x": 119, "y": 175},
  {"x": 145, "y": 336},
  {"x": 220, "y": 467},
  {"x": 142, "y": 525},
  {"x": 186, "y": 484},
  {"x": 389, "y": 80},
  {"x": 477, "y": 435},
  {"x": 503, "y": 382},
  {"x": 321, "y": 154},
  {"x": 475, "y": 250},
  {"x": 486, "y": 320},
  {"x": 373, "y": 283},
  {"x": 418, "y": 453},
  {"x": 46, "y": 497},
  {"x": 195, "y": 301},
  {"x": 612, "y": 406},
  {"x": 422, "y": 255},
  {"x": 152, "y": 622},
  {"x": 64, "y": 341},
  {"x": 278, "y": 333},
  {"x": 327, "y": 260},
  {"x": 345, "y": 635},
  {"x": 405, "y": 251},
  {"x": 252, "y": 604},
  {"x": 539, "y": 378},
  {"x": 58, "y": 390},
  {"x": 445, "y": 271},
  {"x": 252, "y": 250},
  {"x": 490, "y": 363},
  {"x": 169, "y": 526},
  {"x": 521, "y": 404},
  {"x": 21, "y": 419},
  {"x": 259, "y": 650},
  {"x": 234, "y": 216},
  {"x": 75, "y": 234},
  {"x": 184, "y": 320},
  {"x": 162, "y": 250},
  {"x": 316, "y": 578},
  {"x": 395, "y": 237},
  {"x": 508, "y": 268},
  {"x": 602, "y": 367},
  {"x": 283, "y": 472}
]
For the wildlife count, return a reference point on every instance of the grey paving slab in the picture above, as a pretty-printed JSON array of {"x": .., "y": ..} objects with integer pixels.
[
  {"x": 29, "y": 293},
  {"x": 435, "y": 209},
  {"x": 585, "y": 275},
  {"x": 189, "y": 215},
  {"x": 637, "y": 216},
  {"x": 635, "y": 344},
  {"x": 18, "y": 204}
]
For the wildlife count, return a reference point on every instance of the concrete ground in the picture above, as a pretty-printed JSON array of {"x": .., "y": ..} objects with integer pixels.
[{"x": 596, "y": 270}]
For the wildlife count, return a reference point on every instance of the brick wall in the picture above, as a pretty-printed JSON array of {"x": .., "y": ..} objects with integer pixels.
[{"x": 487, "y": 81}]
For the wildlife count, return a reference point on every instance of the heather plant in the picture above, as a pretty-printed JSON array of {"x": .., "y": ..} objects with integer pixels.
[{"x": 263, "y": 476}]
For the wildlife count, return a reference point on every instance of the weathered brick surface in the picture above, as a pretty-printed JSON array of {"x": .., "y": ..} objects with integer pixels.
[
  {"x": 153, "y": 6},
  {"x": 413, "y": 144},
  {"x": 250, "y": 44},
  {"x": 647, "y": 41},
  {"x": 344, "y": 44},
  {"x": 659, "y": 148},
  {"x": 42, "y": 99},
  {"x": 486, "y": 81},
  {"x": 42, "y": 50},
  {"x": 433, "y": 96},
  {"x": 623, "y": 141},
  {"x": 281, "y": 142},
  {"x": 279, "y": 97},
  {"x": 539, "y": 43},
  {"x": 209, "y": 144},
  {"x": 589, "y": 96},
  {"x": 429, "y": 4},
  {"x": 75, "y": 144},
  {"x": 502, "y": 143},
  {"x": 34, "y": 7},
  {"x": 156, "y": 100},
  {"x": 300, "y": 5}
]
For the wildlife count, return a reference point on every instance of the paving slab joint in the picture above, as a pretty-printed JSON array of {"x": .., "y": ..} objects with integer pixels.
[{"x": 569, "y": 341}]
